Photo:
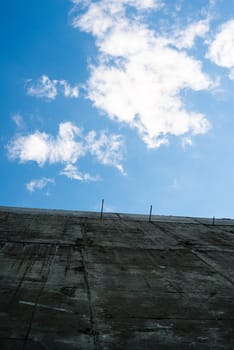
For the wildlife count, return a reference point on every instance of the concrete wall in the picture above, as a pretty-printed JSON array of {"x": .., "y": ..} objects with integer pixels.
[{"x": 72, "y": 281}]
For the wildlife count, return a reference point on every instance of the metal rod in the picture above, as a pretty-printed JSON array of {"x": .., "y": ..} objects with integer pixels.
[
  {"x": 150, "y": 213},
  {"x": 102, "y": 209},
  {"x": 213, "y": 220}
]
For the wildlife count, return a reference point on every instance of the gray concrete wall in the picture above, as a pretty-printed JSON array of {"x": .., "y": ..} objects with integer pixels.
[{"x": 72, "y": 281}]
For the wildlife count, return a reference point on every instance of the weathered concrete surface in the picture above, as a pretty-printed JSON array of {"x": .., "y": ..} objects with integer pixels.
[{"x": 72, "y": 281}]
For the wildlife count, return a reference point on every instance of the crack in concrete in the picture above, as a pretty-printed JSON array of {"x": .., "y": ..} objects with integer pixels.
[
  {"x": 31, "y": 263},
  {"x": 212, "y": 265},
  {"x": 52, "y": 256},
  {"x": 68, "y": 260},
  {"x": 91, "y": 313},
  {"x": 92, "y": 321},
  {"x": 43, "y": 306}
]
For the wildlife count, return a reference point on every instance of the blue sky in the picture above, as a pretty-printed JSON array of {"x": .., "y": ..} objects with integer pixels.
[{"x": 131, "y": 101}]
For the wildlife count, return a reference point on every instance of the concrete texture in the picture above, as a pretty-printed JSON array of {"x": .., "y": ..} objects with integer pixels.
[{"x": 72, "y": 281}]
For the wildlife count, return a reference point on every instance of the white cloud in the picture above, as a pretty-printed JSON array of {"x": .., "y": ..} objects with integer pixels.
[
  {"x": 103, "y": 14},
  {"x": 72, "y": 172},
  {"x": 30, "y": 147},
  {"x": 221, "y": 49},
  {"x": 49, "y": 89},
  {"x": 140, "y": 76},
  {"x": 67, "y": 147},
  {"x": 41, "y": 147},
  {"x": 38, "y": 184}
]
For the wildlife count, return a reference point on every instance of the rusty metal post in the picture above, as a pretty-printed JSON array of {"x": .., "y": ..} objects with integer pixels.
[
  {"x": 150, "y": 213},
  {"x": 102, "y": 209}
]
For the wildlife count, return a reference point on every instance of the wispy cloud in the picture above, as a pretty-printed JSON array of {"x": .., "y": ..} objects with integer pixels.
[
  {"x": 106, "y": 148},
  {"x": 174, "y": 186},
  {"x": 72, "y": 172},
  {"x": 67, "y": 148},
  {"x": 141, "y": 73},
  {"x": 185, "y": 38},
  {"x": 38, "y": 184},
  {"x": 221, "y": 49},
  {"x": 231, "y": 74},
  {"x": 68, "y": 90},
  {"x": 18, "y": 120},
  {"x": 49, "y": 89},
  {"x": 186, "y": 142}
]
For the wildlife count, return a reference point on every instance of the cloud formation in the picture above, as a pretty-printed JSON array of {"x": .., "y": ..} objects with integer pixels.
[
  {"x": 67, "y": 148},
  {"x": 49, "y": 89},
  {"x": 221, "y": 49},
  {"x": 38, "y": 184},
  {"x": 141, "y": 73}
]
